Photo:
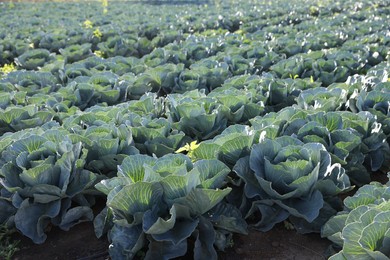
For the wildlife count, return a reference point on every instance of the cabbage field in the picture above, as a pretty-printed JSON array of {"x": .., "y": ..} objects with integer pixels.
[{"x": 175, "y": 127}]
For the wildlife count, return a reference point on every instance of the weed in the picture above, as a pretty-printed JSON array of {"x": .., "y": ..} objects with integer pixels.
[{"x": 8, "y": 246}]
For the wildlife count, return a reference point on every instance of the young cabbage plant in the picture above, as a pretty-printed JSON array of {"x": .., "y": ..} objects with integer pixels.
[
  {"x": 232, "y": 144},
  {"x": 76, "y": 52},
  {"x": 356, "y": 141},
  {"x": 32, "y": 82},
  {"x": 286, "y": 178},
  {"x": 13, "y": 118},
  {"x": 162, "y": 203},
  {"x": 44, "y": 177},
  {"x": 198, "y": 116},
  {"x": 377, "y": 102},
  {"x": 362, "y": 230},
  {"x": 237, "y": 104},
  {"x": 33, "y": 59},
  {"x": 375, "y": 149},
  {"x": 322, "y": 99},
  {"x": 107, "y": 146},
  {"x": 156, "y": 136}
]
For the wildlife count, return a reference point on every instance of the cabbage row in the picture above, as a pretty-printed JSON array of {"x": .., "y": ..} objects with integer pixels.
[{"x": 194, "y": 120}]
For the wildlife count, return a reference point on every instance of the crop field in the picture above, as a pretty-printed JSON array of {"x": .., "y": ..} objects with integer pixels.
[{"x": 195, "y": 129}]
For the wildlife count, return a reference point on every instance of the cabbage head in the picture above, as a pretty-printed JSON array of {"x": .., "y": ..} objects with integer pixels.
[
  {"x": 287, "y": 178},
  {"x": 44, "y": 178},
  {"x": 362, "y": 229},
  {"x": 168, "y": 204}
]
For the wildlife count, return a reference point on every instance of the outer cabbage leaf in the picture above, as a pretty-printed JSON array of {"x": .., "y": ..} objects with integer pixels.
[{"x": 8, "y": 210}]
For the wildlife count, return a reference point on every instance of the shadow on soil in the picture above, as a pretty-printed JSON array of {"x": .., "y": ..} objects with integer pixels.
[{"x": 80, "y": 243}]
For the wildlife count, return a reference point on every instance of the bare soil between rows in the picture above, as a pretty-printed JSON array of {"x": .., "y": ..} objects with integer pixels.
[{"x": 81, "y": 243}]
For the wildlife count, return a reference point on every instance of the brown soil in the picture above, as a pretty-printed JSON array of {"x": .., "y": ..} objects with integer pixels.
[
  {"x": 277, "y": 244},
  {"x": 80, "y": 243}
]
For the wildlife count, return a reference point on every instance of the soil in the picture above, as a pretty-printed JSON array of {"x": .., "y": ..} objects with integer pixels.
[
  {"x": 277, "y": 244},
  {"x": 80, "y": 243}
]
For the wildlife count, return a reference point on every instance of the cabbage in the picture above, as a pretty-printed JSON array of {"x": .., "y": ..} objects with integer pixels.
[
  {"x": 162, "y": 203},
  {"x": 45, "y": 180},
  {"x": 285, "y": 177},
  {"x": 362, "y": 230}
]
